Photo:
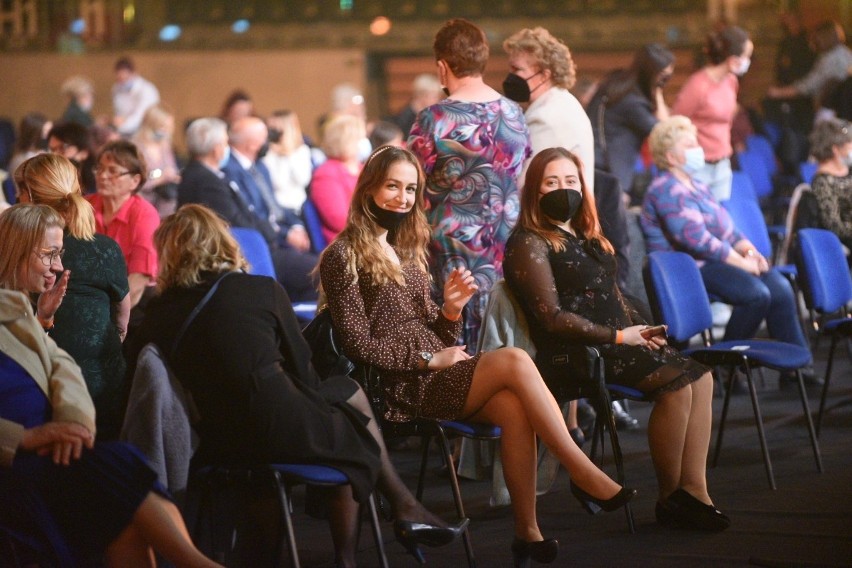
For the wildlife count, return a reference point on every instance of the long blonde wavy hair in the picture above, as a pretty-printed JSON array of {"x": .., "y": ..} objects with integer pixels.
[
  {"x": 411, "y": 236},
  {"x": 52, "y": 180}
]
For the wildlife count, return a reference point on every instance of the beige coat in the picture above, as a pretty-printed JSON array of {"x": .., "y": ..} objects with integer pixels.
[{"x": 55, "y": 372}]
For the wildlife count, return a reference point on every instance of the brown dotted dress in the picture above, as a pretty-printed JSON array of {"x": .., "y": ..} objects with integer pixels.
[{"x": 388, "y": 326}]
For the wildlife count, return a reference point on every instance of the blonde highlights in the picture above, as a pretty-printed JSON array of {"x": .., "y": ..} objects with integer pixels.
[
  {"x": 410, "y": 238},
  {"x": 191, "y": 241},
  {"x": 52, "y": 180},
  {"x": 22, "y": 230}
]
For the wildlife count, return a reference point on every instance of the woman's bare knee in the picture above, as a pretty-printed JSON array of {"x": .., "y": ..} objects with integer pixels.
[{"x": 507, "y": 363}]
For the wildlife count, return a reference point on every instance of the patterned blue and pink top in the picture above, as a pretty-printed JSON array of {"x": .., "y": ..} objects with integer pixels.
[
  {"x": 472, "y": 154},
  {"x": 674, "y": 217}
]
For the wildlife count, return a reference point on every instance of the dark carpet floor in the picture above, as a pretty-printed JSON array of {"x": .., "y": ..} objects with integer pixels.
[{"x": 807, "y": 521}]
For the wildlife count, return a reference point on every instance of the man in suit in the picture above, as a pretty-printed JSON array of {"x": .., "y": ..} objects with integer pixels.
[{"x": 203, "y": 182}]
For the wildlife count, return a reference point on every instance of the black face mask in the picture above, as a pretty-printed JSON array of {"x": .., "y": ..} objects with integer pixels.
[
  {"x": 262, "y": 151},
  {"x": 387, "y": 219},
  {"x": 561, "y": 204},
  {"x": 516, "y": 88}
]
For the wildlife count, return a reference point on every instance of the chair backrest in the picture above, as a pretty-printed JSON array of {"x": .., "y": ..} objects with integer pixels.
[
  {"x": 313, "y": 224},
  {"x": 824, "y": 270},
  {"x": 763, "y": 147},
  {"x": 255, "y": 250},
  {"x": 790, "y": 221},
  {"x": 748, "y": 218},
  {"x": 807, "y": 171},
  {"x": 742, "y": 187},
  {"x": 752, "y": 163},
  {"x": 677, "y": 293}
]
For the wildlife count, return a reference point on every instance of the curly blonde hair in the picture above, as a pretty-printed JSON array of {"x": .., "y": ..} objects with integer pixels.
[
  {"x": 410, "y": 238},
  {"x": 665, "y": 135},
  {"x": 549, "y": 53},
  {"x": 191, "y": 241}
]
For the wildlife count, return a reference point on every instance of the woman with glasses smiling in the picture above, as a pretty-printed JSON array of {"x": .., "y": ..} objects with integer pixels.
[
  {"x": 124, "y": 216},
  {"x": 92, "y": 320},
  {"x": 102, "y": 499}
]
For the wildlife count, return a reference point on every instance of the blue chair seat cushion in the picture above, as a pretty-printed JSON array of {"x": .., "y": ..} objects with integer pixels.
[
  {"x": 775, "y": 354},
  {"x": 313, "y": 474},
  {"x": 787, "y": 269},
  {"x": 840, "y": 325},
  {"x": 470, "y": 429},
  {"x": 625, "y": 392}
]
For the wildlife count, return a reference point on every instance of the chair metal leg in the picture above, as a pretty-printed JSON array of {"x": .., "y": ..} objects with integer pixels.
[
  {"x": 454, "y": 481},
  {"x": 807, "y": 410},
  {"x": 377, "y": 532},
  {"x": 284, "y": 506},
  {"x": 758, "y": 419},
  {"x": 425, "y": 441},
  {"x": 724, "y": 416},
  {"x": 822, "y": 397}
]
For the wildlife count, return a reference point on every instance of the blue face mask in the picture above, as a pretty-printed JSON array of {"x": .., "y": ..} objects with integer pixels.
[
  {"x": 225, "y": 157},
  {"x": 694, "y": 160}
]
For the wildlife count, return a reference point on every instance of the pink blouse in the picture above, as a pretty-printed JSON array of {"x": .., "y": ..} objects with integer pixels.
[
  {"x": 133, "y": 229},
  {"x": 711, "y": 106}
]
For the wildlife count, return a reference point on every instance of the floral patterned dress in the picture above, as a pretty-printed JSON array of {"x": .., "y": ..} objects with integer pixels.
[
  {"x": 472, "y": 154},
  {"x": 570, "y": 299}
]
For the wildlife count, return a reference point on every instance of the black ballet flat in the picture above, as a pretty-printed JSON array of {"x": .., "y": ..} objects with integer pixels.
[
  {"x": 685, "y": 511},
  {"x": 542, "y": 551},
  {"x": 594, "y": 505},
  {"x": 411, "y": 534}
]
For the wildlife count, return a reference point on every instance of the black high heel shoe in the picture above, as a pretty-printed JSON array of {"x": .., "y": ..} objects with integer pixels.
[
  {"x": 542, "y": 551},
  {"x": 682, "y": 509},
  {"x": 411, "y": 534},
  {"x": 594, "y": 505}
]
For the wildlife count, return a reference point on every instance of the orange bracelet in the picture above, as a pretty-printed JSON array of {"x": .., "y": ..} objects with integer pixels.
[
  {"x": 46, "y": 324},
  {"x": 619, "y": 337}
]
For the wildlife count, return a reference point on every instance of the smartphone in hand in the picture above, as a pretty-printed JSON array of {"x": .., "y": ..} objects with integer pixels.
[{"x": 653, "y": 331}]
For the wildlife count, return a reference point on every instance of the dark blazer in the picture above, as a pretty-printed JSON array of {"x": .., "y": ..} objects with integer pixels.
[
  {"x": 198, "y": 184},
  {"x": 284, "y": 218}
]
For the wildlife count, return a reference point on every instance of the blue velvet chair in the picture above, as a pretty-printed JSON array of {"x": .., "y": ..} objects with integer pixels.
[
  {"x": 679, "y": 300},
  {"x": 828, "y": 291},
  {"x": 313, "y": 224},
  {"x": 257, "y": 254}
]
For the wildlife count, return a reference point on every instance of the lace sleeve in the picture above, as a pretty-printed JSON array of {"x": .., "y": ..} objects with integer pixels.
[{"x": 528, "y": 272}]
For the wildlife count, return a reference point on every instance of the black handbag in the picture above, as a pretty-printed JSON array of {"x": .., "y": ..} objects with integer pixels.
[{"x": 326, "y": 355}]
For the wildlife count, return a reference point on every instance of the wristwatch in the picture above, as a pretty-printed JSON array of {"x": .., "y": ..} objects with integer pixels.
[{"x": 426, "y": 357}]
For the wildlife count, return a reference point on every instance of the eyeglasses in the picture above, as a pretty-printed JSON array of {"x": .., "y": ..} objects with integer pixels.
[
  {"x": 49, "y": 256},
  {"x": 111, "y": 172}
]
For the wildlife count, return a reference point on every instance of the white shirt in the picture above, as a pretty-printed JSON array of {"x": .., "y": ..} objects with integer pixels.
[
  {"x": 291, "y": 176},
  {"x": 130, "y": 100},
  {"x": 557, "y": 118}
]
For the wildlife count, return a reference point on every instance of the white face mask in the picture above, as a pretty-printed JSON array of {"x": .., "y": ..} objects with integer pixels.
[
  {"x": 693, "y": 160},
  {"x": 848, "y": 159},
  {"x": 745, "y": 63}
]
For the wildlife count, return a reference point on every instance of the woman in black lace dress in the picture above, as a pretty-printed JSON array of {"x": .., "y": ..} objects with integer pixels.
[{"x": 562, "y": 270}]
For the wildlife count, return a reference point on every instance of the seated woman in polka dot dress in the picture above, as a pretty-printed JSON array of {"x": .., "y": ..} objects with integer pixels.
[{"x": 375, "y": 278}]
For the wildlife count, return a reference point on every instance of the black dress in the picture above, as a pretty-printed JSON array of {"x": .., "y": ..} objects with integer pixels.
[
  {"x": 248, "y": 369},
  {"x": 571, "y": 300}
]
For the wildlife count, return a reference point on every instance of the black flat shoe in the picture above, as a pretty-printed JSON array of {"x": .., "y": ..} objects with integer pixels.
[
  {"x": 686, "y": 511},
  {"x": 410, "y": 534},
  {"x": 594, "y": 505},
  {"x": 542, "y": 551},
  {"x": 664, "y": 515}
]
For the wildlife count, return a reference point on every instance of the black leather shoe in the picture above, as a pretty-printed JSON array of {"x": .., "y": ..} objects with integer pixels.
[
  {"x": 411, "y": 534},
  {"x": 809, "y": 377},
  {"x": 685, "y": 511},
  {"x": 593, "y": 505},
  {"x": 542, "y": 551}
]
